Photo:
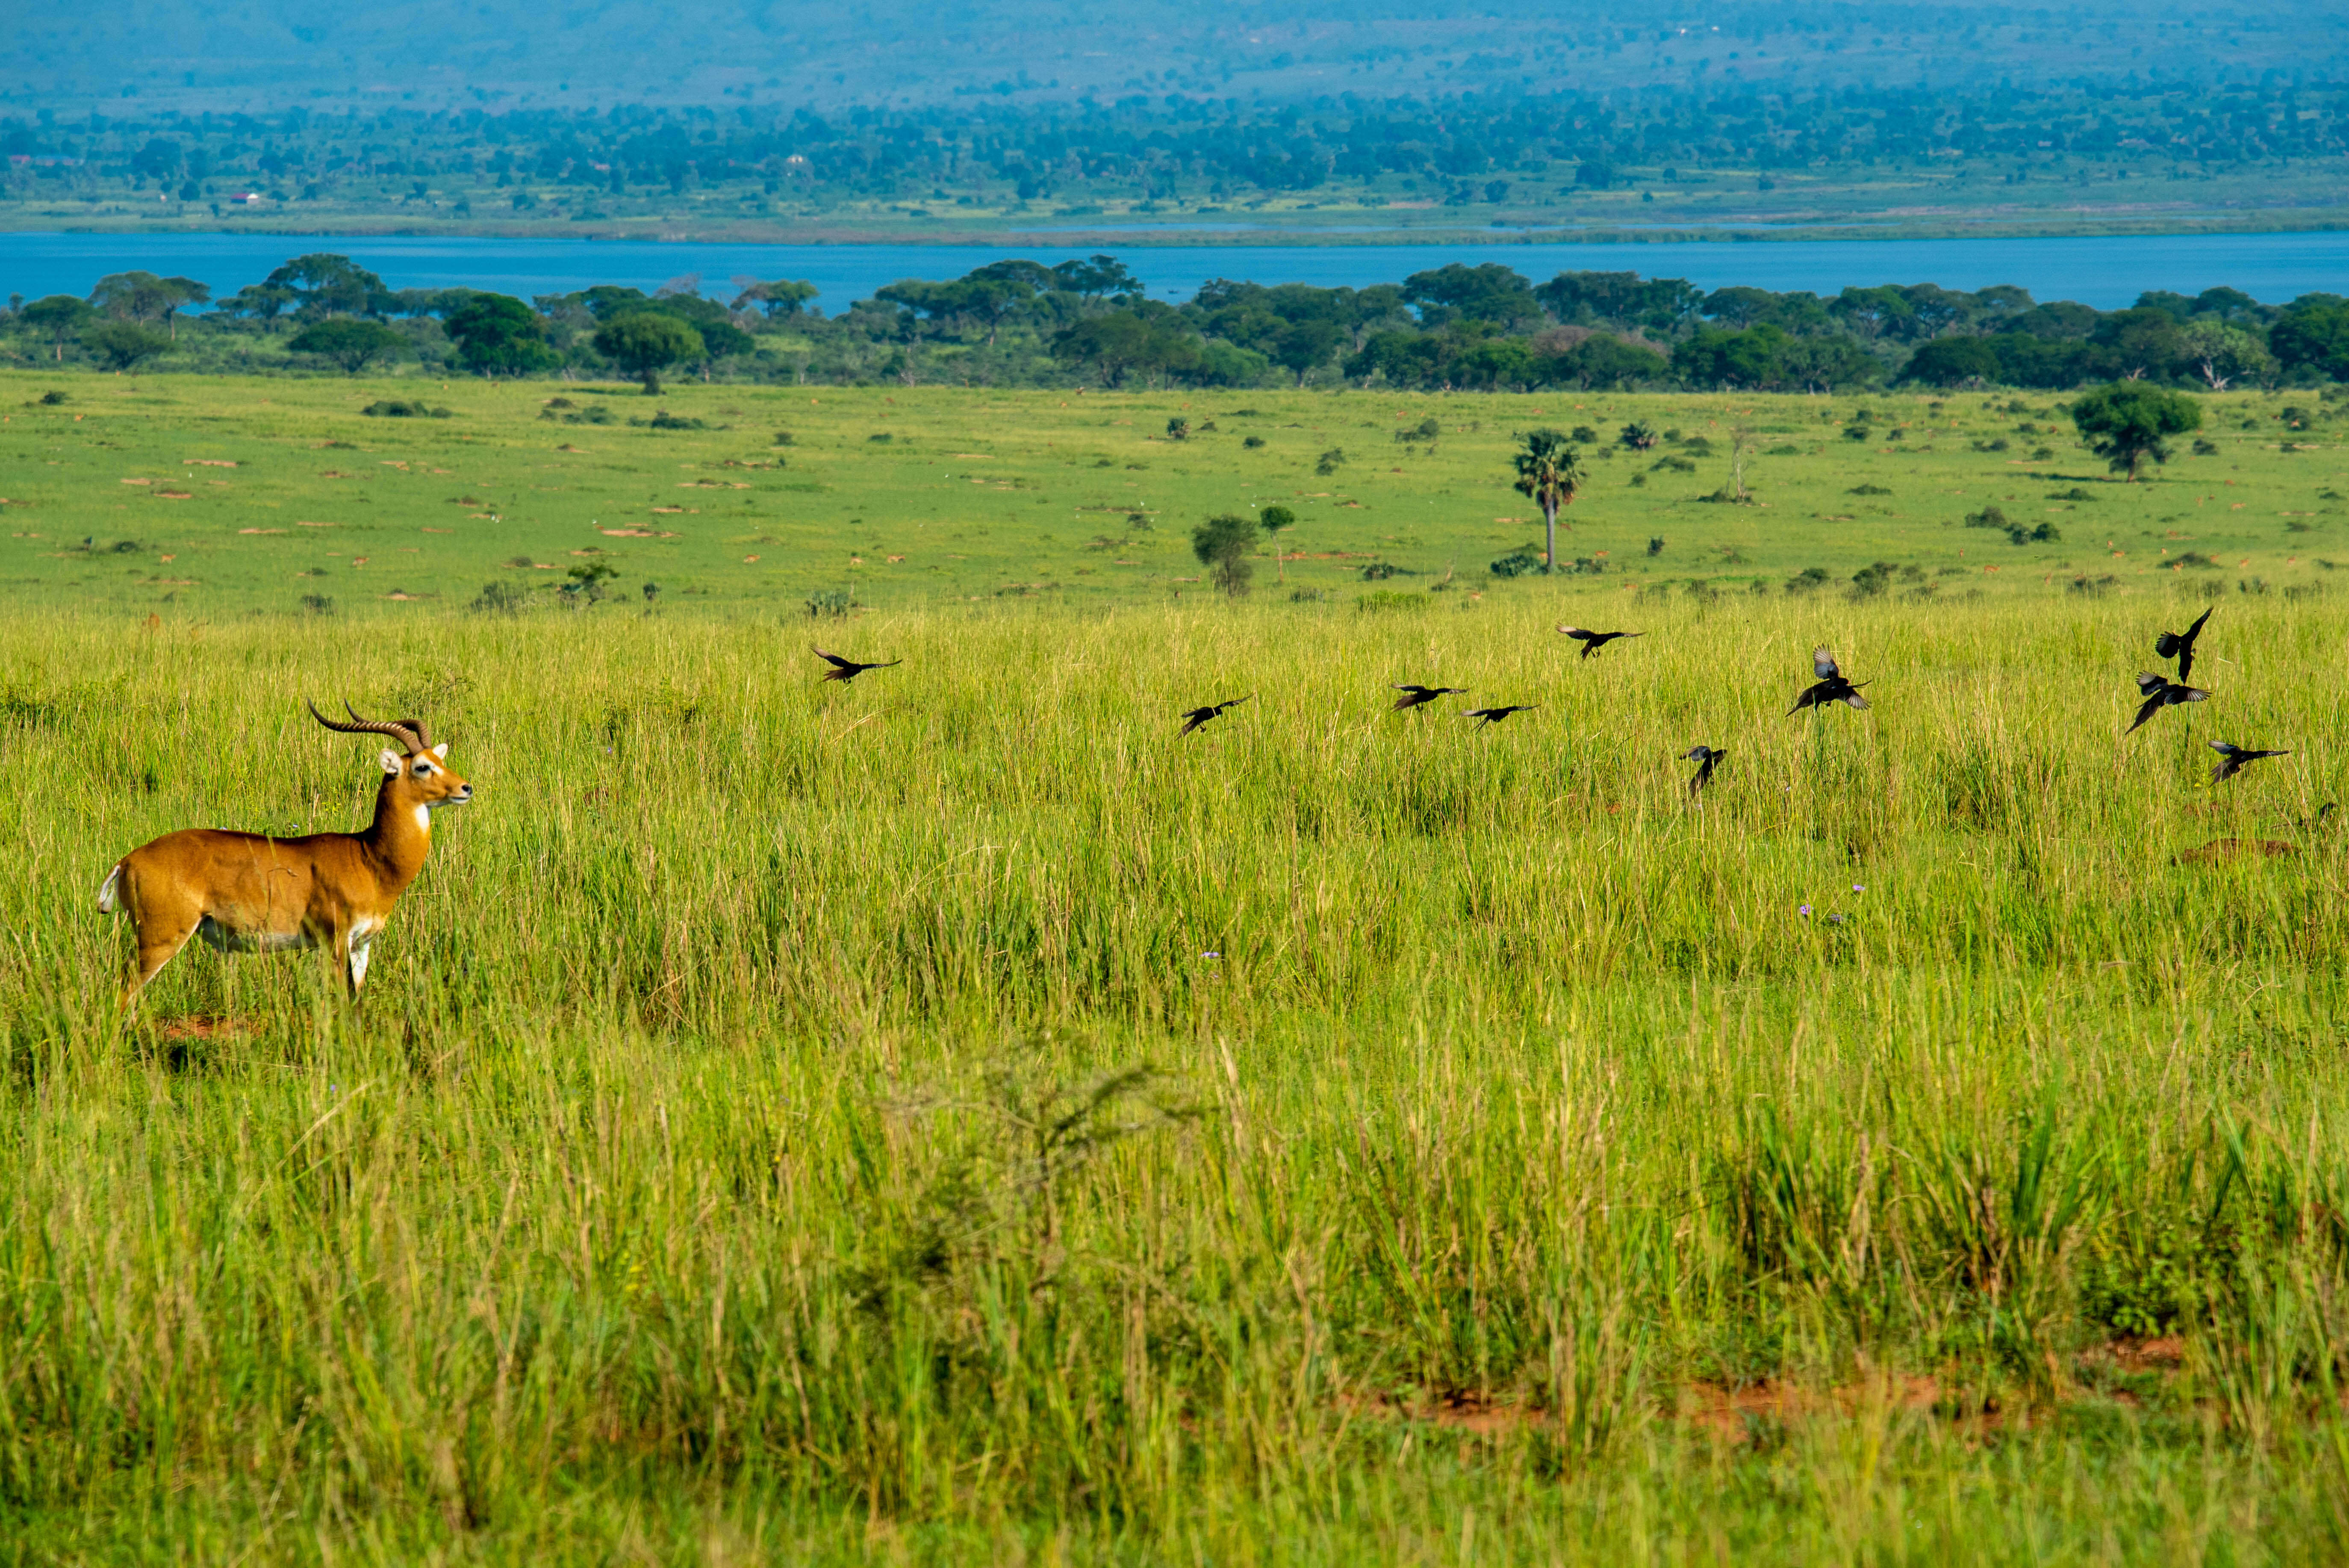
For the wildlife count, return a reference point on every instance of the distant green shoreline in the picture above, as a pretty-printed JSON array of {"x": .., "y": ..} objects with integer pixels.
[{"x": 1300, "y": 236}]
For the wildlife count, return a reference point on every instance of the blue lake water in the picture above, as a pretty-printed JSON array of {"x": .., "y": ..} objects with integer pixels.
[{"x": 2106, "y": 272}]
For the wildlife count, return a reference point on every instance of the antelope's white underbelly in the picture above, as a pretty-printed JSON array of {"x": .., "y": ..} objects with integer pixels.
[{"x": 220, "y": 939}]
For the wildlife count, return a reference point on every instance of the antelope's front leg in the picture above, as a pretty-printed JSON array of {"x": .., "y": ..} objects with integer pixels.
[{"x": 348, "y": 960}]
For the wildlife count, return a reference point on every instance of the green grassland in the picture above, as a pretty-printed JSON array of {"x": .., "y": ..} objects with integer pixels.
[
  {"x": 122, "y": 495},
  {"x": 947, "y": 1117}
]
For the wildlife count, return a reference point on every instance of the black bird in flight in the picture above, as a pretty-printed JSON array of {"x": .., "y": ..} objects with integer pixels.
[
  {"x": 2161, "y": 692},
  {"x": 846, "y": 669},
  {"x": 1494, "y": 714},
  {"x": 2233, "y": 759},
  {"x": 1593, "y": 641},
  {"x": 1199, "y": 716},
  {"x": 1415, "y": 695},
  {"x": 1707, "y": 758},
  {"x": 1831, "y": 686},
  {"x": 2179, "y": 645}
]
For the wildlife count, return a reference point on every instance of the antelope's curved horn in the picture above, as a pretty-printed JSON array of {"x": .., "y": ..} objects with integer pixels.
[{"x": 411, "y": 738}]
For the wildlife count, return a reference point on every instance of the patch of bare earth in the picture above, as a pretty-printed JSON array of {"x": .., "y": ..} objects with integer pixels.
[{"x": 202, "y": 1027}]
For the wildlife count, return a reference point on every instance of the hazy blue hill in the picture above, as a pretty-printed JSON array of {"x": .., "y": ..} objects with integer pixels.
[{"x": 271, "y": 53}]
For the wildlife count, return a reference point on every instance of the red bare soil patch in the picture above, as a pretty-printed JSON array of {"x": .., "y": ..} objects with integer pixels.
[{"x": 202, "y": 1027}]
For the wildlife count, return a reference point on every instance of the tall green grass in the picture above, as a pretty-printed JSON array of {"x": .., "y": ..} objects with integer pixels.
[{"x": 948, "y": 1116}]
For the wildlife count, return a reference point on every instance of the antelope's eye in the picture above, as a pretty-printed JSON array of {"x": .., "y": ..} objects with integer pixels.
[{"x": 423, "y": 769}]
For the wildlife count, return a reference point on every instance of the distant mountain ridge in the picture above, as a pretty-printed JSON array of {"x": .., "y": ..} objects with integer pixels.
[{"x": 268, "y": 53}]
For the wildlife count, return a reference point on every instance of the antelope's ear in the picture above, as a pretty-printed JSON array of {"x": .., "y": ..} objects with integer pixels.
[
  {"x": 390, "y": 761},
  {"x": 442, "y": 751}
]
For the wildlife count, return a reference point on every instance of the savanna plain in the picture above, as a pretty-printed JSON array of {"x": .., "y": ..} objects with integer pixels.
[{"x": 946, "y": 1116}]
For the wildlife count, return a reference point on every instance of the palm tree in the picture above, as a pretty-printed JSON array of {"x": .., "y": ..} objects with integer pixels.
[{"x": 1549, "y": 471}]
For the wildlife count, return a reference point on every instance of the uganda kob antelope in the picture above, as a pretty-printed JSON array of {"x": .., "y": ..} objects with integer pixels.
[{"x": 247, "y": 893}]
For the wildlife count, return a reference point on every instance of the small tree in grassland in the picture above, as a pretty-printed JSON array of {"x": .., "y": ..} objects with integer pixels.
[
  {"x": 1222, "y": 544},
  {"x": 2129, "y": 421},
  {"x": 1273, "y": 520},
  {"x": 1549, "y": 473},
  {"x": 1741, "y": 447}
]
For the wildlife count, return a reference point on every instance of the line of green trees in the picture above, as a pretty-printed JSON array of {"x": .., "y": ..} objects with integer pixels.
[
  {"x": 1176, "y": 146},
  {"x": 1089, "y": 322}
]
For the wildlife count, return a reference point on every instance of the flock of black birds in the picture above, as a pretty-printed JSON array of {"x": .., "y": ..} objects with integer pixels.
[{"x": 1830, "y": 684}]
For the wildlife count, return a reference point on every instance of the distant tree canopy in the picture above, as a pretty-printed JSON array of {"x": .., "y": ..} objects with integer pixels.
[
  {"x": 353, "y": 345},
  {"x": 2314, "y": 332},
  {"x": 57, "y": 318},
  {"x": 643, "y": 342},
  {"x": 497, "y": 335},
  {"x": 780, "y": 300},
  {"x": 143, "y": 297},
  {"x": 124, "y": 344},
  {"x": 1454, "y": 328},
  {"x": 323, "y": 284},
  {"x": 1449, "y": 146}
]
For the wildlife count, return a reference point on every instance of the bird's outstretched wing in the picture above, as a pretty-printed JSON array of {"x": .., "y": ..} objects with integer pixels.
[
  {"x": 2179, "y": 645},
  {"x": 1577, "y": 633},
  {"x": 1853, "y": 699},
  {"x": 2147, "y": 683},
  {"x": 2185, "y": 646},
  {"x": 836, "y": 660},
  {"x": 2187, "y": 693},
  {"x": 1823, "y": 664}
]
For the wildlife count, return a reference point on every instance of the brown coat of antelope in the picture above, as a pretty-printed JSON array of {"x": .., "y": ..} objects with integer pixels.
[{"x": 246, "y": 892}]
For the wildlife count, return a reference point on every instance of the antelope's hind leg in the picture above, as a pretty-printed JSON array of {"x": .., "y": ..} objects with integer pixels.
[
  {"x": 160, "y": 923},
  {"x": 160, "y": 942}
]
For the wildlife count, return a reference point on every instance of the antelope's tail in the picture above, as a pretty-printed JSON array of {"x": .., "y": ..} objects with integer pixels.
[{"x": 109, "y": 892}]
